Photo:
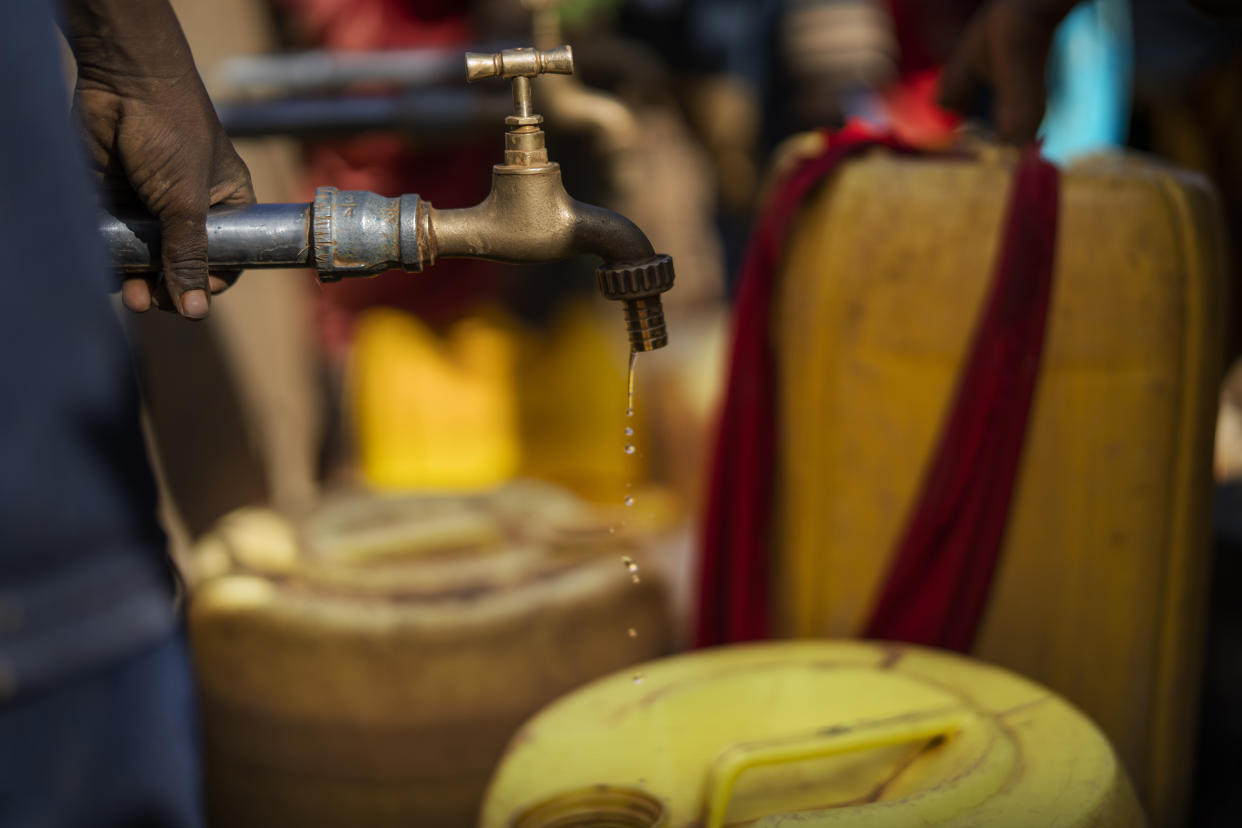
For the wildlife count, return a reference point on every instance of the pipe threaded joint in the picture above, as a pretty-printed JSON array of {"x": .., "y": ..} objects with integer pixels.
[{"x": 638, "y": 287}]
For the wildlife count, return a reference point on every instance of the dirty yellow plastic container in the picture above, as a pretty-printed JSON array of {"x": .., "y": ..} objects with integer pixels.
[
  {"x": 1099, "y": 590},
  {"x": 811, "y": 733},
  {"x": 364, "y": 665}
]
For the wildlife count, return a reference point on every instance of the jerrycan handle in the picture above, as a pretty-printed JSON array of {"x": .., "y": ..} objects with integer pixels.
[{"x": 832, "y": 741}]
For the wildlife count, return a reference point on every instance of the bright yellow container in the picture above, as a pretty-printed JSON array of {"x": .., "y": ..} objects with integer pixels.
[
  {"x": 488, "y": 400},
  {"x": 363, "y": 666},
  {"x": 811, "y": 733},
  {"x": 434, "y": 411},
  {"x": 1100, "y": 587}
]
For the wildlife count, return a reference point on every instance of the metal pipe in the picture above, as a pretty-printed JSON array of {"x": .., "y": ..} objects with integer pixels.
[
  {"x": 527, "y": 218},
  {"x": 317, "y": 71},
  {"x": 259, "y": 236},
  {"x": 427, "y": 115},
  {"x": 341, "y": 233}
]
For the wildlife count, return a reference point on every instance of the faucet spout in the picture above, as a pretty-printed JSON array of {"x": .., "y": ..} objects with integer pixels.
[
  {"x": 611, "y": 236},
  {"x": 530, "y": 219}
]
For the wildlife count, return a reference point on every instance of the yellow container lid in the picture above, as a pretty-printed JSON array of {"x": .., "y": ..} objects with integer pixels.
[{"x": 832, "y": 733}]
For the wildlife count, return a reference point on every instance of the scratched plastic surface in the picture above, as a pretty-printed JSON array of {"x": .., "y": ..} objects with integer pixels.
[{"x": 815, "y": 733}]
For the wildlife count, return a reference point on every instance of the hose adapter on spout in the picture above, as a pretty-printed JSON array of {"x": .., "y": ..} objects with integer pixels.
[{"x": 638, "y": 288}]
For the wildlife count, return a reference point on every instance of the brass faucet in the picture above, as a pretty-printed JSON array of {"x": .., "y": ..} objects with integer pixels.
[
  {"x": 529, "y": 217},
  {"x": 526, "y": 218}
]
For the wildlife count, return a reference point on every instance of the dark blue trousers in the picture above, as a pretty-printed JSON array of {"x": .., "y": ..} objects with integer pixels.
[{"x": 114, "y": 749}]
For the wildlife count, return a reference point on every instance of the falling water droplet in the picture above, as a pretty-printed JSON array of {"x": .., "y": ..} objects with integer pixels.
[
  {"x": 632, "y": 633},
  {"x": 629, "y": 448},
  {"x": 629, "y": 500},
  {"x": 635, "y": 579},
  {"x": 629, "y": 432},
  {"x": 638, "y": 678},
  {"x": 629, "y": 385},
  {"x": 630, "y": 566}
]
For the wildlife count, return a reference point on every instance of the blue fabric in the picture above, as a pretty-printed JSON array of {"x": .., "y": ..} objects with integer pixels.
[
  {"x": 110, "y": 750},
  {"x": 84, "y": 579},
  {"x": 1089, "y": 71}
]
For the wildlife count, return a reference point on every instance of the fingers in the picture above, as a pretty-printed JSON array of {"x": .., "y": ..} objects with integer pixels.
[
  {"x": 221, "y": 280},
  {"x": 962, "y": 78},
  {"x": 1019, "y": 62},
  {"x": 233, "y": 189},
  {"x": 136, "y": 294},
  {"x": 184, "y": 243},
  {"x": 1005, "y": 47},
  {"x": 187, "y": 283}
]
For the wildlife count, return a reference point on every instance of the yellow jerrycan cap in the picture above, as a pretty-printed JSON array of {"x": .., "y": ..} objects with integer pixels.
[{"x": 828, "y": 733}]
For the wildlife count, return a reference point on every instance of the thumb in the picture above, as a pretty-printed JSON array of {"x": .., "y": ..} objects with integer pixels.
[{"x": 184, "y": 259}]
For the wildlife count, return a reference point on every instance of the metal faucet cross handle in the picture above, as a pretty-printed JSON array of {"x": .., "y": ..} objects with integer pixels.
[{"x": 520, "y": 65}]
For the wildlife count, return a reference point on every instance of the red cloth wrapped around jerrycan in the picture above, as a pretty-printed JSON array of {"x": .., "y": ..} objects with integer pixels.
[
  {"x": 938, "y": 585},
  {"x": 970, "y": 405}
]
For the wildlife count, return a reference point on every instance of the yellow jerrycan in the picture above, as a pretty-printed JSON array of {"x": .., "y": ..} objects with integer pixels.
[
  {"x": 1099, "y": 592},
  {"x": 490, "y": 400},
  {"x": 811, "y": 733},
  {"x": 363, "y": 665},
  {"x": 434, "y": 411}
]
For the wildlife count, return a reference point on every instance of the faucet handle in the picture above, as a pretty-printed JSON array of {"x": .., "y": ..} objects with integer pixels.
[
  {"x": 526, "y": 62},
  {"x": 520, "y": 65}
]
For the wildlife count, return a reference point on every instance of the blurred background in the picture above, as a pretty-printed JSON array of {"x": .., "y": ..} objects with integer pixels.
[{"x": 426, "y": 480}]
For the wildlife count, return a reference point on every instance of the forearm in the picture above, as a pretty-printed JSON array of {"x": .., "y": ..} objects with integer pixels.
[{"x": 133, "y": 39}]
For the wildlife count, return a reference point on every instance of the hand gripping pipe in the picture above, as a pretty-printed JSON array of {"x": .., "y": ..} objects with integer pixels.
[{"x": 526, "y": 218}]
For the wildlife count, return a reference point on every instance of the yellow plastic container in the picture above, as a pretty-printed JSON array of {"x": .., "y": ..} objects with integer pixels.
[
  {"x": 1099, "y": 591},
  {"x": 489, "y": 401},
  {"x": 811, "y": 733},
  {"x": 363, "y": 666},
  {"x": 431, "y": 411}
]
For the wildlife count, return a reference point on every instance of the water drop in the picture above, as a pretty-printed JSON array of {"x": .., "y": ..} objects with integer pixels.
[
  {"x": 629, "y": 384},
  {"x": 632, "y": 633},
  {"x": 629, "y": 432},
  {"x": 629, "y": 448},
  {"x": 635, "y": 579},
  {"x": 638, "y": 678},
  {"x": 629, "y": 500},
  {"x": 629, "y": 412},
  {"x": 631, "y": 567}
]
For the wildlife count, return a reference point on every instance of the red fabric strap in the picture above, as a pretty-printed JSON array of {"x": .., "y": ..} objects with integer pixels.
[
  {"x": 938, "y": 585},
  {"x": 733, "y": 576}
]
